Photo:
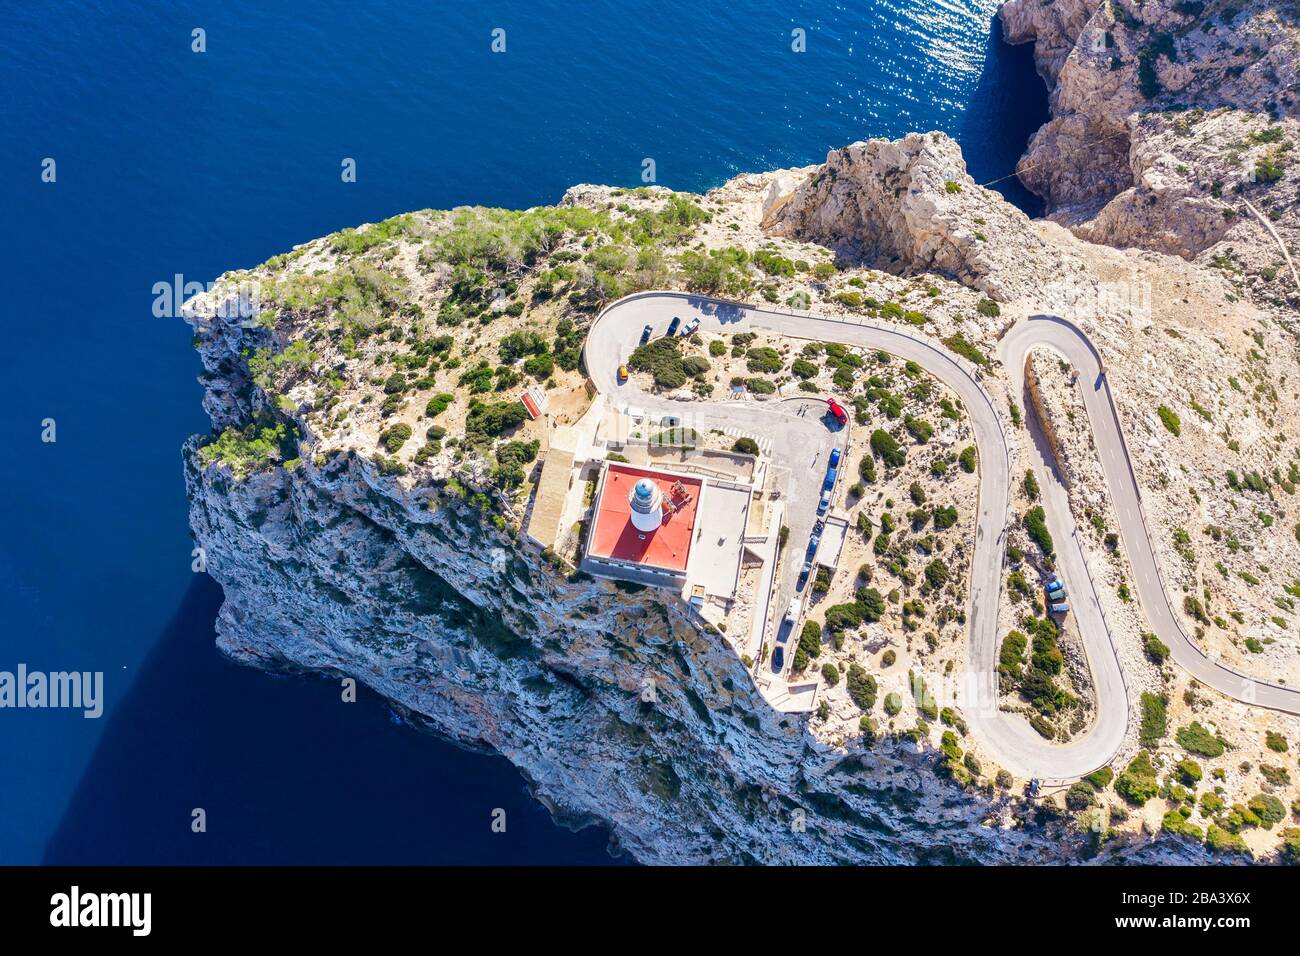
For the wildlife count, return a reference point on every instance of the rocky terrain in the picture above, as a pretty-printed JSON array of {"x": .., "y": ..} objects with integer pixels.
[{"x": 360, "y": 496}]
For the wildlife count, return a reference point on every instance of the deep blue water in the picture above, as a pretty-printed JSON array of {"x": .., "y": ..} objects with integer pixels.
[{"x": 172, "y": 162}]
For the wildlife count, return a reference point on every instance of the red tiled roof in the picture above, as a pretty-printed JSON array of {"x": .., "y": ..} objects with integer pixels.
[{"x": 616, "y": 538}]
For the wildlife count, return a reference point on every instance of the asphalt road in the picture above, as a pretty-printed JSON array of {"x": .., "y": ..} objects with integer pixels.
[{"x": 801, "y": 443}]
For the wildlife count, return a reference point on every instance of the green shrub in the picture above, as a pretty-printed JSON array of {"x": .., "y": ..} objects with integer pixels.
[
  {"x": 489, "y": 419},
  {"x": 438, "y": 404},
  {"x": 395, "y": 437},
  {"x": 1137, "y": 784},
  {"x": 1154, "y": 648},
  {"x": 763, "y": 359},
  {"x": 745, "y": 445},
  {"x": 1100, "y": 779},
  {"x": 1155, "y": 722},
  {"x": 1221, "y": 841},
  {"x": 1275, "y": 742},
  {"x": 887, "y": 449},
  {"x": 1035, "y": 522},
  {"x": 1194, "y": 738},
  {"x": 893, "y": 704},
  {"x": 967, "y": 459},
  {"x": 945, "y": 517},
  {"x": 831, "y": 674},
  {"x": 803, "y": 368},
  {"x": 1290, "y": 848},
  {"x": 988, "y": 308},
  {"x": 695, "y": 365},
  {"x": 1188, "y": 772},
  {"x": 1080, "y": 796},
  {"x": 1170, "y": 419},
  {"x": 1268, "y": 808},
  {"x": 959, "y": 344},
  {"x": 662, "y": 358},
  {"x": 861, "y": 687}
]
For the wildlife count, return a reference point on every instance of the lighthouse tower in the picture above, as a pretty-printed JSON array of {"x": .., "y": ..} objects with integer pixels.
[{"x": 646, "y": 502}]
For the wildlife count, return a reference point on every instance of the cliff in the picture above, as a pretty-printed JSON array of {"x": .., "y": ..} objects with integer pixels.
[
  {"x": 361, "y": 496},
  {"x": 1172, "y": 124}
]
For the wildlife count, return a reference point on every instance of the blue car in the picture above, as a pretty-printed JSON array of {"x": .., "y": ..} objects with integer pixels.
[
  {"x": 778, "y": 659},
  {"x": 1061, "y": 608},
  {"x": 645, "y": 334},
  {"x": 835, "y": 457}
]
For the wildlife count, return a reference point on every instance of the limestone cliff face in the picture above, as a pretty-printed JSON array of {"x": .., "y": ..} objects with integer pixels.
[
  {"x": 909, "y": 206},
  {"x": 614, "y": 707},
  {"x": 1162, "y": 113}
]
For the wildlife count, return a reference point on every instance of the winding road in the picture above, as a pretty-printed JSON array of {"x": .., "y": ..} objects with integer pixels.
[{"x": 800, "y": 442}]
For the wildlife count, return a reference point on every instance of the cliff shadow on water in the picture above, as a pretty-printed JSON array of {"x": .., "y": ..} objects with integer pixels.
[
  {"x": 288, "y": 773},
  {"x": 1008, "y": 106}
]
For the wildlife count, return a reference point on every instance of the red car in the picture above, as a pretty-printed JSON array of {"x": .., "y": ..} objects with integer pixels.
[{"x": 837, "y": 411}]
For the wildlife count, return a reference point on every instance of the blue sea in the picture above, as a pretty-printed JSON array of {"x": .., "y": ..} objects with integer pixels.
[{"x": 169, "y": 161}]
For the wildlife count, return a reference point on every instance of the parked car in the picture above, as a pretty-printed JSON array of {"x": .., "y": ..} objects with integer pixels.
[
  {"x": 1061, "y": 608},
  {"x": 837, "y": 412},
  {"x": 670, "y": 421},
  {"x": 1056, "y": 593},
  {"x": 672, "y": 326},
  {"x": 622, "y": 374},
  {"x": 824, "y": 504},
  {"x": 778, "y": 659},
  {"x": 803, "y": 575},
  {"x": 835, "y": 457},
  {"x": 645, "y": 334},
  {"x": 691, "y": 328}
]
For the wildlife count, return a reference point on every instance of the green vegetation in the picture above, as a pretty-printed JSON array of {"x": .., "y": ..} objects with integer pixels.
[
  {"x": 1035, "y": 523},
  {"x": 809, "y": 646},
  {"x": 489, "y": 419},
  {"x": 1155, "y": 722},
  {"x": 965, "y": 349},
  {"x": 893, "y": 704},
  {"x": 1221, "y": 841},
  {"x": 1275, "y": 742},
  {"x": 511, "y": 458},
  {"x": 831, "y": 674},
  {"x": 1011, "y": 659},
  {"x": 1031, "y": 485},
  {"x": 764, "y": 359},
  {"x": 1155, "y": 649},
  {"x": 988, "y": 307},
  {"x": 662, "y": 358},
  {"x": 885, "y": 447},
  {"x": 1194, "y": 738},
  {"x": 746, "y": 446},
  {"x": 394, "y": 437},
  {"x": 1100, "y": 779},
  {"x": 1169, "y": 419},
  {"x": 967, "y": 459},
  {"x": 257, "y": 445},
  {"x": 1138, "y": 784},
  {"x": 861, "y": 687}
]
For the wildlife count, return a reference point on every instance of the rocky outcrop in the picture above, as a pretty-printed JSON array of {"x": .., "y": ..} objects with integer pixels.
[
  {"x": 1117, "y": 163},
  {"x": 909, "y": 205}
]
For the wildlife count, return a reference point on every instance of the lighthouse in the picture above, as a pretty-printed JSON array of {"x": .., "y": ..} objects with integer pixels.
[{"x": 646, "y": 503}]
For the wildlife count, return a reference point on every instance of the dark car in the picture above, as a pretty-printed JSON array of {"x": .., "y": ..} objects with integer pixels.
[
  {"x": 645, "y": 334},
  {"x": 672, "y": 326},
  {"x": 670, "y": 421},
  {"x": 778, "y": 659}
]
